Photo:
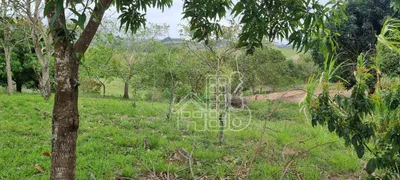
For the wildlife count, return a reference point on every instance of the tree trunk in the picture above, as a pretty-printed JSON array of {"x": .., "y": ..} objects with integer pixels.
[
  {"x": 104, "y": 90},
  {"x": 171, "y": 103},
  {"x": 7, "y": 52},
  {"x": 103, "y": 86},
  {"x": 44, "y": 83},
  {"x": 134, "y": 98},
  {"x": 126, "y": 91},
  {"x": 65, "y": 112},
  {"x": 253, "y": 90}
]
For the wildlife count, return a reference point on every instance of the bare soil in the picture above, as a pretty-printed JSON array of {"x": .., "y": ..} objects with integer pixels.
[{"x": 293, "y": 95}]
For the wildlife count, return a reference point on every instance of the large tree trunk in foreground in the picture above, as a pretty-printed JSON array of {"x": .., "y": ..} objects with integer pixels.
[
  {"x": 7, "y": 52},
  {"x": 126, "y": 91},
  {"x": 65, "y": 113}
]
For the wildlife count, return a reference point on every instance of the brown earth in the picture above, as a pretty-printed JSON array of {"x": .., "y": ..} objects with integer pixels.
[{"x": 294, "y": 95}]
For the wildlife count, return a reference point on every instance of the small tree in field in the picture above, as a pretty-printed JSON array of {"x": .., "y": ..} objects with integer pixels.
[
  {"x": 98, "y": 58},
  {"x": 134, "y": 48},
  {"x": 266, "y": 67},
  {"x": 273, "y": 19}
]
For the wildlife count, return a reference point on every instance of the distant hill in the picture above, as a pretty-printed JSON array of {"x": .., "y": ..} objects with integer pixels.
[{"x": 168, "y": 41}]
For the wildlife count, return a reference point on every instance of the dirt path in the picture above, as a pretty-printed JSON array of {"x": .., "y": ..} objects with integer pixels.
[{"x": 294, "y": 95}]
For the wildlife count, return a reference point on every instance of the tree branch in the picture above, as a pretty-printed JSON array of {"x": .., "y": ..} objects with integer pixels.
[{"x": 91, "y": 28}]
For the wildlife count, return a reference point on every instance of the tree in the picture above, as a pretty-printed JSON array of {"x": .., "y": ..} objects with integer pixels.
[
  {"x": 259, "y": 18},
  {"x": 367, "y": 121},
  {"x": 134, "y": 48},
  {"x": 13, "y": 31},
  {"x": 42, "y": 42},
  {"x": 98, "y": 59},
  {"x": 265, "y": 67},
  {"x": 23, "y": 61},
  {"x": 357, "y": 34}
]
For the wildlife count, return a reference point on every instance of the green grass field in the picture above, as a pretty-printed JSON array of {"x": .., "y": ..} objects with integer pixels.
[{"x": 117, "y": 140}]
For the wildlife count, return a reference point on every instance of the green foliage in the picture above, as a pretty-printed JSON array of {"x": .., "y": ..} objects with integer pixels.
[
  {"x": 23, "y": 64},
  {"x": 389, "y": 60},
  {"x": 388, "y": 48},
  {"x": 357, "y": 35},
  {"x": 369, "y": 122},
  {"x": 303, "y": 68},
  {"x": 90, "y": 86},
  {"x": 282, "y": 20},
  {"x": 203, "y": 17},
  {"x": 265, "y": 67}
]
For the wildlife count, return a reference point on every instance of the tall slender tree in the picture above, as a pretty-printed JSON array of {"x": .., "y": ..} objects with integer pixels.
[
  {"x": 12, "y": 34},
  {"x": 42, "y": 42}
]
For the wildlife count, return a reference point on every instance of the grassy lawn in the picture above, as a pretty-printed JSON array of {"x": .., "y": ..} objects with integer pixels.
[{"x": 116, "y": 140}]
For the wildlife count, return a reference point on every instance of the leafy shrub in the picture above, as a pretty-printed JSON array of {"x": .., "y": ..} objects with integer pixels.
[
  {"x": 390, "y": 60},
  {"x": 154, "y": 94},
  {"x": 368, "y": 122},
  {"x": 90, "y": 86},
  {"x": 302, "y": 69}
]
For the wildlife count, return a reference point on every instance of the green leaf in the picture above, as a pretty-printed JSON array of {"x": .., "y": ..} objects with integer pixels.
[
  {"x": 75, "y": 21},
  {"x": 81, "y": 21},
  {"x": 60, "y": 7},
  {"x": 73, "y": 10},
  {"x": 360, "y": 151},
  {"x": 47, "y": 7},
  {"x": 307, "y": 22},
  {"x": 371, "y": 166}
]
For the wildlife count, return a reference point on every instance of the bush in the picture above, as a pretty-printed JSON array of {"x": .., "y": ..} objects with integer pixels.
[
  {"x": 154, "y": 95},
  {"x": 390, "y": 60},
  {"x": 304, "y": 68},
  {"x": 90, "y": 86}
]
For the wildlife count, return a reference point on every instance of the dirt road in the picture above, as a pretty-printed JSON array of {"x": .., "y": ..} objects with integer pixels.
[{"x": 294, "y": 95}]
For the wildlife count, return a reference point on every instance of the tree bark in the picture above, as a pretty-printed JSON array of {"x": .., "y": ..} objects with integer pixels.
[
  {"x": 171, "y": 103},
  {"x": 7, "y": 52},
  {"x": 65, "y": 121},
  {"x": 134, "y": 98},
  {"x": 126, "y": 91},
  {"x": 253, "y": 90},
  {"x": 37, "y": 34},
  {"x": 103, "y": 86},
  {"x": 44, "y": 82},
  {"x": 104, "y": 90},
  {"x": 65, "y": 113}
]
